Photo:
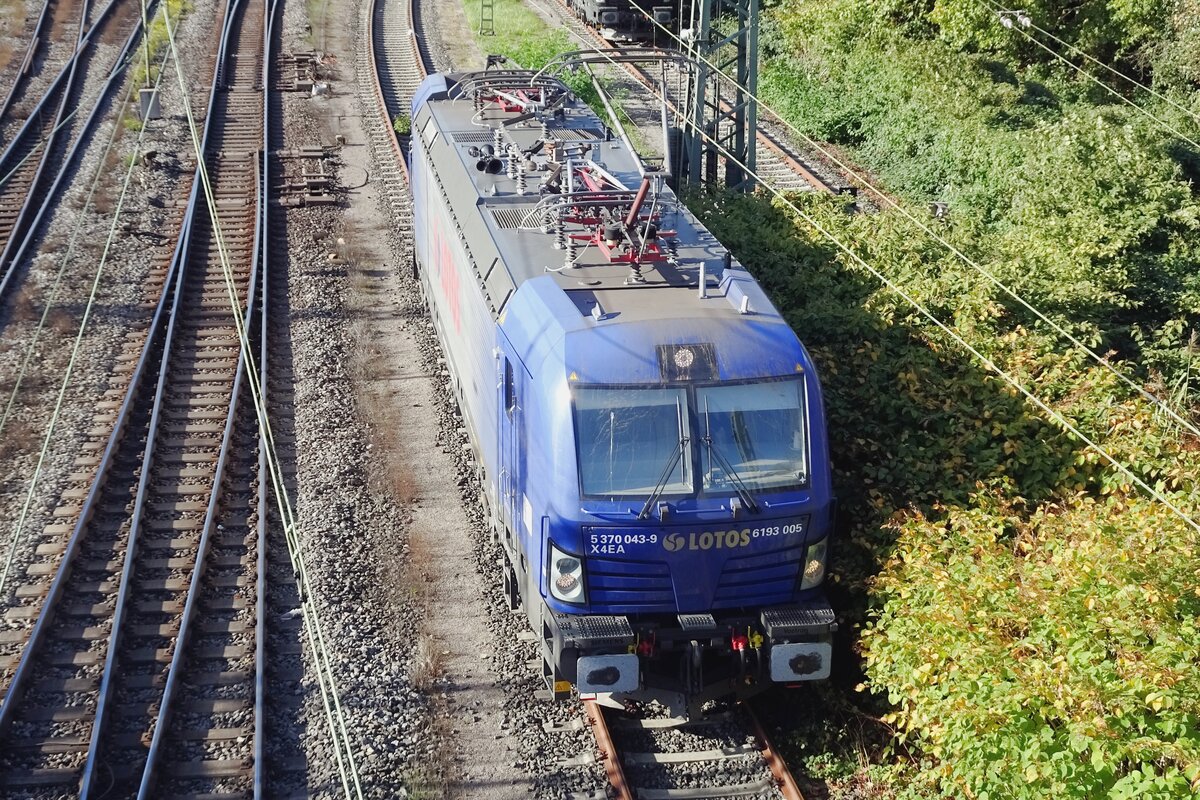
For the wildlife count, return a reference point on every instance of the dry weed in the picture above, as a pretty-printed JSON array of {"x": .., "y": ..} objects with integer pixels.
[{"x": 426, "y": 665}]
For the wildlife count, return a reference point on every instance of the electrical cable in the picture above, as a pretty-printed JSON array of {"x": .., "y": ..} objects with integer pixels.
[
  {"x": 1145, "y": 394},
  {"x": 1054, "y": 415},
  {"x": 1104, "y": 66},
  {"x": 335, "y": 716},
  {"x": 18, "y": 529},
  {"x": 1165, "y": 125}
]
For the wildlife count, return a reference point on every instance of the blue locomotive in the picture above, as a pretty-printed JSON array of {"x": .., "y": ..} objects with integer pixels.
[{"x": 649, "y": 432}]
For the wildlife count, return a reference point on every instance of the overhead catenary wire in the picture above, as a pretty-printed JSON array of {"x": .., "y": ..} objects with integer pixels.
[
  {"x": 1056, "y": 416},
  {"x": 1141, "y": 110},
  {"x": 1104, "y": 362},
  {"x": 335, "y": 717},
  {"x": 1110, "y": 69}
]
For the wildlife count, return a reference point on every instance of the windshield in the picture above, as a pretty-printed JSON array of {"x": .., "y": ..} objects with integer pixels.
[
  {"x": 757, "y": 429},
  {"x": 629, "y": 437}
]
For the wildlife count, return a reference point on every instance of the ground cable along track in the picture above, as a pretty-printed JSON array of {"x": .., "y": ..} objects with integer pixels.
[
  {"x": 140, "y": 676},
  {"x": 725, "y": 754},
  {"x": 37, "y": 160}
]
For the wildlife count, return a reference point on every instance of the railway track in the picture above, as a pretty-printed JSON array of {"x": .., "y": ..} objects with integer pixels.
[
  {"x": 35, "y": 38},
  {"x": 389, "y": 71},
  {"x": 662, "y": 757},
  {"x": 779, "y": 161},
  {"x": 142, "y": 673},
  {"x": 726, "y": 754},
  {"x": 49, "y": 129}
]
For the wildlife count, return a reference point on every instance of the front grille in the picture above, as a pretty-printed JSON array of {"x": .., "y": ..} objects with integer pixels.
[
  {"x": 760, "y": 579},
  {"x": 631, "y": 586}
]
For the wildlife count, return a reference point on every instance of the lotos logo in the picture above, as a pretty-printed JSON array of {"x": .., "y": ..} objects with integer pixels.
[{"x": 708, "y": 540}]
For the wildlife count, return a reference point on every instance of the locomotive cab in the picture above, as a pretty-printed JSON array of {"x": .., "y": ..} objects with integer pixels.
[{"x": 673, "y": 494}]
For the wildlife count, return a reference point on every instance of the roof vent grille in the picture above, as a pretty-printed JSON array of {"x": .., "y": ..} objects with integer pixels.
[{"x": 511, "y": 218}]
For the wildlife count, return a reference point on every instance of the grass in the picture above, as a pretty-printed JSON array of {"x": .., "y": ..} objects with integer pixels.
[
  {"x": 317, "y": 10},
  {"x": 425, "y": 782},
  {"x": 426, "y": 665},
  {"x": 517, "y": 27},
  {"x": 176, "y": 10},
  {"x": 526, "y": 39}
]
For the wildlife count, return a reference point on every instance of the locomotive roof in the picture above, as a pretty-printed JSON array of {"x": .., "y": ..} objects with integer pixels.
[{"x": 506, "y": 224}]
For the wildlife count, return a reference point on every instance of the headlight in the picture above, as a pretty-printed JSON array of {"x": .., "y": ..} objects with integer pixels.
[
  {"x": 565, "y": 576},
  {"x": 814, "y": 565}
]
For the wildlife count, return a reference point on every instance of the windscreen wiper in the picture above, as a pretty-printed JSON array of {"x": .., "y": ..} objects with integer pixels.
[
  {"x": 666, "y": 475},
  {"x": 738, "y": 484}
]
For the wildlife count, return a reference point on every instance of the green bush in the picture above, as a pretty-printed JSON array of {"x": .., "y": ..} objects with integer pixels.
[
  {"x": 1026, "y": 614},
  {"x": 1088, "y": 211},
  {"x": 934, "y": 455},
  {"x": 1042, "y": 655}
]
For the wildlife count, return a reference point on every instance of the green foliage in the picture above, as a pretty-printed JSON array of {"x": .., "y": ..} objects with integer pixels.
[
  {"x": 1050, "y": 653},
  {"x": 1103, "y": 28},
  {"x": 521, "y": 35},
  {"x": 528, "y": 42},
  {"x": 402, "y": 124},
  {"x": 158, "y": 40},
  {"x": 1027, "y": 614},
  {"x": 917, "y": 427},
  {"x": 1085, "y": 209},
  {"x": 1175, "y": 55}
]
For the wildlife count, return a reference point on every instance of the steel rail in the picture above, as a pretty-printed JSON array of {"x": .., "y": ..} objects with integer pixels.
[
  {"x": 259, "y": 783},
  {"x": 180, "y": 654},
  {"x": 380, "y": 99},
  {"x": 61, "y": 89},
  {"x": 22, "y": 673},
  {"x": 35, "y": 39},
  {"x": 105, "y": 698},
  {"x": 607, "y": 751},
  {"x": 609, "y": 755},
  {"x": 63, "y": 72},
  {"x": 64, "y": 169},
  {"x": 783, "y": 776},
  {"x": 789, "y": 159},
  {"x": 63, "y": 85}
]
